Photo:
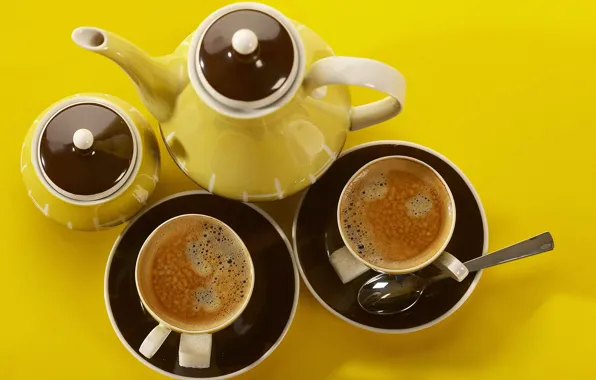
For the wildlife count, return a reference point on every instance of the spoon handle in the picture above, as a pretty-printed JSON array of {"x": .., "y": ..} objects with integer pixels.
[{"x": 533, "y": 246}]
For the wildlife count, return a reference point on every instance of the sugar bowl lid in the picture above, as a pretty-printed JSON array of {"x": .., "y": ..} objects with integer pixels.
[
  {"x": 86, "y": 149},
  {"x": 245, "y": 57}
]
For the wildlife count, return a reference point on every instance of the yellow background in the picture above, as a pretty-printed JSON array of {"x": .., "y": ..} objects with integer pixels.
[{"x": 504, "y": 89}]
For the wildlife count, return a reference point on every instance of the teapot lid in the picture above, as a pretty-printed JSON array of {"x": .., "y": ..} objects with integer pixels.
[
  {"x": 86, "y": 150},
  {"x": 246, "y": 57}
]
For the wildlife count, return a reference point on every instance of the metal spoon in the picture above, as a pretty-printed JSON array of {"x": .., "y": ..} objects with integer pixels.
[{"x": 387, "y": 294}]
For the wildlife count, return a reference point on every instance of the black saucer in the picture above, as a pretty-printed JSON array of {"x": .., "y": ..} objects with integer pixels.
[
  {"x": 316, "y": 236},
  {"x": 262, "y": 325}
]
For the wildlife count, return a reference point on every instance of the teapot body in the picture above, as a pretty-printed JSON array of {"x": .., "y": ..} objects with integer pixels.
[
  {"x": 264, "y": 158},
  {"x": 101, "y": 213},
  {"x": 253, "y": 106}
]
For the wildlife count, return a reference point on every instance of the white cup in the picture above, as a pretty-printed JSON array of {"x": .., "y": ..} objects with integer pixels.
[
  {"x": 443, "y": 260},
  {"x": 195, "y": 345}
]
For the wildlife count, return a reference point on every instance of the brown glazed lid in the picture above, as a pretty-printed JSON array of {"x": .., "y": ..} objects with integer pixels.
[
  {"x": 87, "y": 151},
  {"x": 247, "y": 55}
]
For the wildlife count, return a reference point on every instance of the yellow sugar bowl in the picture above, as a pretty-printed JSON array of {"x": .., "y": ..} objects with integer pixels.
[{"x": 90, "y": 162}]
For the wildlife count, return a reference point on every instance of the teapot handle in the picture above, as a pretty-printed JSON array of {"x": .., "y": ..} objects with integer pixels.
[{"x": 362, "y": 72}]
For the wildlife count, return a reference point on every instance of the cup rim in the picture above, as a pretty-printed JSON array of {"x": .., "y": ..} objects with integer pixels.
[
  {"x": 144, "y": 361},
  {"x": 431, "y": 258},
  {"x": 170, "y": 326},
  {"x": 459, "y": 303}
]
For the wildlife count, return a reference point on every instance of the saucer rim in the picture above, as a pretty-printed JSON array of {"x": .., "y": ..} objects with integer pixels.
[
  {"x": 443, "y": 316},
  {"x": 230, "y": 375}
]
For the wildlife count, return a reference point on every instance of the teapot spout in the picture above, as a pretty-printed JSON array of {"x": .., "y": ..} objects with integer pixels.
[{"x": 158, "y": 80}]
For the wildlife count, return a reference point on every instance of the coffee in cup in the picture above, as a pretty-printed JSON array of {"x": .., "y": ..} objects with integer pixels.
[
  {"x": 396, "y": 215},
  {"x": 194, "y": 275}
]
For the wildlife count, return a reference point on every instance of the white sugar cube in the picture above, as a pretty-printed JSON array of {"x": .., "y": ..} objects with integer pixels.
[
  {"x": 346, "y": 265},
  {"x": 195, "y": 350}
]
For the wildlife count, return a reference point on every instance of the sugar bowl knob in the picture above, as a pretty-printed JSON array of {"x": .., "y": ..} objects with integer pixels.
[{"x": 82, "y": 139}]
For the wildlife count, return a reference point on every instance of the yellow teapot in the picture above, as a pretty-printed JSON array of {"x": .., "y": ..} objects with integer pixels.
[{"x": 252, "y": 106}]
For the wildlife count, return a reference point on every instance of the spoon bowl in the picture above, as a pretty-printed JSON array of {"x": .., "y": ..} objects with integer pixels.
[{"x": 387, "y": 294}]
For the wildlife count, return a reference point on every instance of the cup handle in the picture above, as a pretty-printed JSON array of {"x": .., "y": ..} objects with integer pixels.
[
  {"x": 195, "y": 350},
  {"x": 154, "y": 340},
  {"x": 451, "y": 266},
  {"x": 362, "y": 72}
]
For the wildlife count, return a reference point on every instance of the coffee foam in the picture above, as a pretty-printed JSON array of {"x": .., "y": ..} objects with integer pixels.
[
  {"x": 372, "y": 189},
  {"x": 200, "y": 273},
  {"x": 391, "y": 225},
  {"x": 218, "y": 257},
  {"x": 420, "y": 204}
]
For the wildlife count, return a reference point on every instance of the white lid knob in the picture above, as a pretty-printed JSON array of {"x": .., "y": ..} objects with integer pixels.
[
  {"x": 82, "y": 139},
  {"x": 245, "y": 41}
]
